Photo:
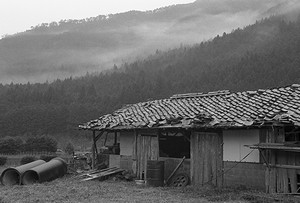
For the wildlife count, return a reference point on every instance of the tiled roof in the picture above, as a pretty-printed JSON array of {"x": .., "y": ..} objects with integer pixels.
[{"x": 213, "y": 109}]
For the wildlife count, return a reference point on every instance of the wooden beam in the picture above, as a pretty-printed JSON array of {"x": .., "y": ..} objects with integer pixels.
[
  {"x": 95, "y": 146},
  {"x": 264, "y": 157},
  {"x": 105, "y": 139},
  {"x": 99, "y": 135},
  {"x": 293, "y": 132},
  {"x": 284, "y": 166}
]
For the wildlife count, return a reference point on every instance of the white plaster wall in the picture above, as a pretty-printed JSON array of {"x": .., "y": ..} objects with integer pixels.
[
  {"x": 126, "y": 143},
  {"x": 234, "y": 141}
]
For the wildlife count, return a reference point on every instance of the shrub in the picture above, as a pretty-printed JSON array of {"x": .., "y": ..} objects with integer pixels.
[
  {"x": 10, "y": 145},
  {"x": 3, "y": 160},
  {"x": 27, "y": 159},
  {"x": 43, "y": 143},
  {"x": 69, "y": 148},
  {"x": 46, "y": 157}
]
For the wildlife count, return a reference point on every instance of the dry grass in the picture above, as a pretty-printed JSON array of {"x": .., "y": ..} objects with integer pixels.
[
  {"x": 70, "y": 189},
  {"x": 239, "y": 194}
]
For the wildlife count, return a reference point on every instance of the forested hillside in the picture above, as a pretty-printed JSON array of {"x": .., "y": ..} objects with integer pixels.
[
  {"x": 54, "y": 50},
  {"x": 262, "y": 55}
]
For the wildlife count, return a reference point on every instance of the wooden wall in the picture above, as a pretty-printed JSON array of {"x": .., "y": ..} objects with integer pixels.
[
  {"x": 145, "y": 148},
  {"x": 250, "y": 175},
  {"x": 171, "y": 164},
  {"x": 206, "y": 158},
  {"x": 283, "y": 166}
]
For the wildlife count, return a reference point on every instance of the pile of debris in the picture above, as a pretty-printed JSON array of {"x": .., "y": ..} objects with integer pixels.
[
  {"x": 125, "y": 175},
  {"x": 101, "y": 174}
]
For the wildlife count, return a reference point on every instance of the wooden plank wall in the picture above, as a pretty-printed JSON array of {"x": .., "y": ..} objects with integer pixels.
[
  {"x": 171, "y": 164},
  {"x": 146, "y": 148},
  {"x": 206, "y": 158},
  {"x": 270, "y": 178},
  {"x": 281, "y": 176}
]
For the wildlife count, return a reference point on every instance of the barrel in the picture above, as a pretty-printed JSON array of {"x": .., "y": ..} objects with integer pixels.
[{"x": 155, "y": 173}]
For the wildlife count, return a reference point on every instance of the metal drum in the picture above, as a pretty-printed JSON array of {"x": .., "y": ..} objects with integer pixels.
[{"x": 155, "y": 173}]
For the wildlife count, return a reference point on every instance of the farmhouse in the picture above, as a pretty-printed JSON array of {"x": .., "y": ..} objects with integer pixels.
[{"x": 247, "y": 138}]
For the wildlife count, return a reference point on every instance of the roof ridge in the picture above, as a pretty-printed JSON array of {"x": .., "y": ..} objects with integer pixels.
[
  {"x": 226, "y": 92},
  {"x": 200, "y": 94}
]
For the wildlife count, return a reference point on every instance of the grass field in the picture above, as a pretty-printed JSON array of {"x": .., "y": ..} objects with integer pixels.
[{"x": 70, "y": 189}]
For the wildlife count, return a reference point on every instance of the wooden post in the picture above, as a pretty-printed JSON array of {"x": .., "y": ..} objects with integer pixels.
[
  {"x": 134, "y": 153},
  {"x": 93, "y": 149},
  {"x": 220, "y": 163},
  {"x": 272, "y": 160},
  {"x": 116, "y": 136}
]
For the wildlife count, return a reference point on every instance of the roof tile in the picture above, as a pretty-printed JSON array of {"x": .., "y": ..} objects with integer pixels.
[{"x": 219, "y": 108}]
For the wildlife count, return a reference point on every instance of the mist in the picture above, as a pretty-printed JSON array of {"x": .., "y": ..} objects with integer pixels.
[{"x": 73, "y": 49}]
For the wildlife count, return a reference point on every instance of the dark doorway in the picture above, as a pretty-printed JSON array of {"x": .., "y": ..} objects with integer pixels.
[{"x": 174, "y": 145}]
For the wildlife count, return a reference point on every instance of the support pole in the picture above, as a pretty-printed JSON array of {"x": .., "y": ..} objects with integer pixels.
[
  {"x": 99, "y": 135},
  {"x": 95, "y": 146},
  {"x": 116, "y": 135},
  {"x": 93, "y": 150}
]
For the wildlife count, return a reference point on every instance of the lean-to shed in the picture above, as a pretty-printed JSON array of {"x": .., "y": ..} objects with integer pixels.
[{"x": 247, "y": 138}]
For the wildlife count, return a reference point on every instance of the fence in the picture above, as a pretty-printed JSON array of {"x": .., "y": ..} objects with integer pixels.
[{"x": 32, "y": 153}]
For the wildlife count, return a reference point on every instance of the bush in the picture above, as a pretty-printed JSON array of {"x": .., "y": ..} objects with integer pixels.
[
  {"x": 10, "y": 145},
  {"x": 27, "y": 159},
  {"x": 3, "y": 160},
  {"x": 69, "y": 148},
  {"x": 46, "y": 157},
  {"x": 40, "y": 144}
]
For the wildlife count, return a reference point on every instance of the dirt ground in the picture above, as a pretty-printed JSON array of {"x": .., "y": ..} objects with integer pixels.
[{"x": 70, "y": 189}]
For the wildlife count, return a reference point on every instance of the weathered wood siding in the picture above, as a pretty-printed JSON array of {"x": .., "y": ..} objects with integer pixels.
[
  {"x": 171, "y": 164},
  {"x": 251, "y": 175},
  {"x": 284, "y": 166},
  {"x": 206, "y": 158},
  {"x": 145, "y": 148}
]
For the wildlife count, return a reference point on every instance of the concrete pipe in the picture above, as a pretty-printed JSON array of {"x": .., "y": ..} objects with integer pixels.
[
  {"x": 12, "y": 176},
  {"x": 48, "y": 171}
]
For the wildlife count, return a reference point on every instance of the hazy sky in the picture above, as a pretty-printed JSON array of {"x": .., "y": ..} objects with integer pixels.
[{"x": 20, "y": 15}]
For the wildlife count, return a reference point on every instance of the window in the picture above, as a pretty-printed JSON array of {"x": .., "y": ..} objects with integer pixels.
[
  {"x": 110, "y": 143},
  {"x": 292, "y": 134},
  {"x": 174, "y": 145}
]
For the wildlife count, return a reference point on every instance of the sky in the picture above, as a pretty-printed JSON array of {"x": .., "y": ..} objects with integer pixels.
[{"x": 19, "y": 15}]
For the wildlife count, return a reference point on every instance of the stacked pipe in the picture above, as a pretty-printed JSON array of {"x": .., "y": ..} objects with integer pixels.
[
  {"x": 12, "y": 176},
  {"x": 35, "y": 172}
]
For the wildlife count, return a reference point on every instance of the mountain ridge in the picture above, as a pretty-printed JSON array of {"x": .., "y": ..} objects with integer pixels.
[
  {"x": 260, "y": 56},
  {"x": 74, "y": 47}
]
